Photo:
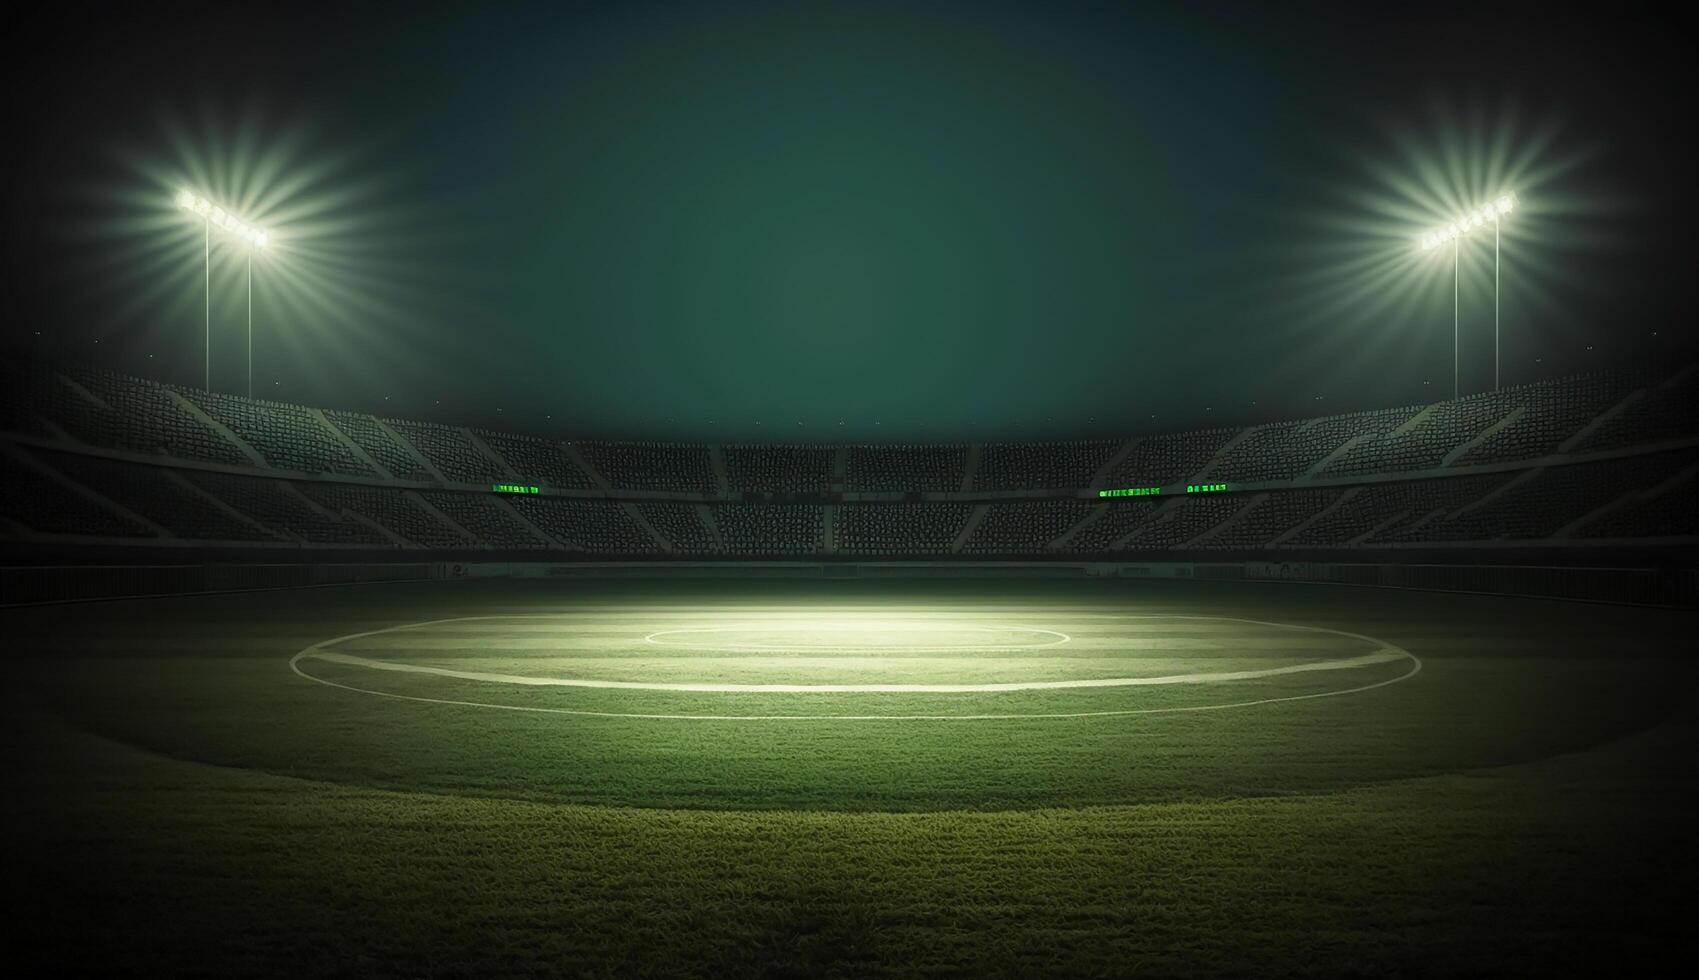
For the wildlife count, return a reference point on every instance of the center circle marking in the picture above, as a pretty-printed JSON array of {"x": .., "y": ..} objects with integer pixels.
[
  {"x": 1040, "y": 639},
  {"x": 1383, "y": 652}
]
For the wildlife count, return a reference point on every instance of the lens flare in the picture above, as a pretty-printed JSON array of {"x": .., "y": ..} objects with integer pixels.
[
  {"x": 1363, "y": 270},
  {"x": 347, "y": 266},
  {"x": 218, "y": 217}
]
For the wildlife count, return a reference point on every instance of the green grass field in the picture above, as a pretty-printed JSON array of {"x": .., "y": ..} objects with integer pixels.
[{"x": 619, "y": 778}]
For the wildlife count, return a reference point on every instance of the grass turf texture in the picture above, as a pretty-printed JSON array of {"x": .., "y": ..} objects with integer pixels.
[{"x": 1519, "y": 805}]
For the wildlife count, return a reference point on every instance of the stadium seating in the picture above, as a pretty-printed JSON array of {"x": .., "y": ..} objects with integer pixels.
[
  {"x": 1185, "y": 521},
  {"x": 450, "y": 450},
  {"x": 159, "y": 494},
  {"x": 1041, "y": 465},
  {"x": 681, "y": 525},
  {"x": 1287, "y": 450},
  {"x": 365, "y": 432},
  {"x": 144, "y": 417},
  {"x": 1606, "y": 457},
  {"x": 280, "y": 506},
  {"x": 35, "y": 501},
  {"x": 537, "y": 461},
  {"x": 1672, "y": 511},
  {"x": 1025, "y": 527},
  {"x": 1424, "y": 442},
  {"x": 1159, "y": 460},
  {"x": 906, "y": 468},
  {"x": 900, "y": 529},
  {"x": 286, "y": 435},
  {"x": 652, "y": 466},
  {"x": 1547, "y": 500},
  {"x": 779, "y": 469},
  {"x": 392, "y": 509},
  {"x": 484, "y": 517},
  {"x": 769, "y": 530},
  {"x": 1381, "y": 510},
  {"x": 1665, "y": 411},
  {"x": 1551, "y": 413},
  {"x": 1268, "y": 518},
  {"x": 1115, "y": 520},
  {"x": 595, "y": 526}
]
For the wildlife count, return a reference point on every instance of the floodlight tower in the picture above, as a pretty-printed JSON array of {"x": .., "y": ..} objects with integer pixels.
[
  {"x": 251, "y": 237},
  {"x": 1453, "y": 233}
]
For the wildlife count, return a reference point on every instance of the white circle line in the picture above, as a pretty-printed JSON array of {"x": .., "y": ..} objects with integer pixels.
[
  {"x": 1382, "y": 655},
  {"x": 1060, "y": 638},
  {"x": 1415, "y": 668}
]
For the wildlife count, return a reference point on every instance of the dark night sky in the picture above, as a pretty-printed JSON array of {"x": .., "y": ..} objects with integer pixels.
[{"x": 921, "y": 221}]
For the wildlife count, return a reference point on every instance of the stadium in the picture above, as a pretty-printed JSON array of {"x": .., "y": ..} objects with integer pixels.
[{"x": 1117, "y": 671}]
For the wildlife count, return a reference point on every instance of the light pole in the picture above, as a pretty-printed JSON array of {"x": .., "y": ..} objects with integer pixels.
[
  {"x": 251, "y": 236},
  {"x": 206, "y": 268},
  {"x": 1453, "y": 233}
]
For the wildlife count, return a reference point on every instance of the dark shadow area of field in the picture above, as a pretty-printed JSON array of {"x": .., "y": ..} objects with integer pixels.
[
  {"x": 1560, "y": 846},
  {"x": 124, "y": 859}
]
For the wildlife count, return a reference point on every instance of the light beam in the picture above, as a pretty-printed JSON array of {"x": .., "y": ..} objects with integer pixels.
[
  {"x": 243, "y": 233},
  {"x": 1453, "y": 232}
]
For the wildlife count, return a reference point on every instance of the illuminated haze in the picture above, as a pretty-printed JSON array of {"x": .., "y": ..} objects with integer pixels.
[{"x": 881, "y": 221}]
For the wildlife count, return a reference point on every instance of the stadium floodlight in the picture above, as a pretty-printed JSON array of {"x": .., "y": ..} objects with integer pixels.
[
  {"x": 250, "y": 235},
  {"x": 224, "y": 220},
  {"x": 1493, "y": 212}
]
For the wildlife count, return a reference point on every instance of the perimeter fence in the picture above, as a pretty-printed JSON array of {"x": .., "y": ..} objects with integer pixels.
[
  {"x": 1659, "y": 586},
  {"x": 31, "y": 584}
]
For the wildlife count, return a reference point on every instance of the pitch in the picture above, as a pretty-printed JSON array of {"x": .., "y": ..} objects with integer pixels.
[{"x": 838, "y": 776}]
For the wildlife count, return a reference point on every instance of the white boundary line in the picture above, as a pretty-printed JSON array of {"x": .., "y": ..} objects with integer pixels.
[
  {"x": 1345, "y": 663},
  {"x": 1060, "y": 638},
  {"x": 1385, "y": 652}
]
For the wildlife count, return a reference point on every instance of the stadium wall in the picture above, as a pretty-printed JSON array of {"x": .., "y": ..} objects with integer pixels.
[
  {"x": 1632, "y": 585},
  {"x": 34, "y": 585}
]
